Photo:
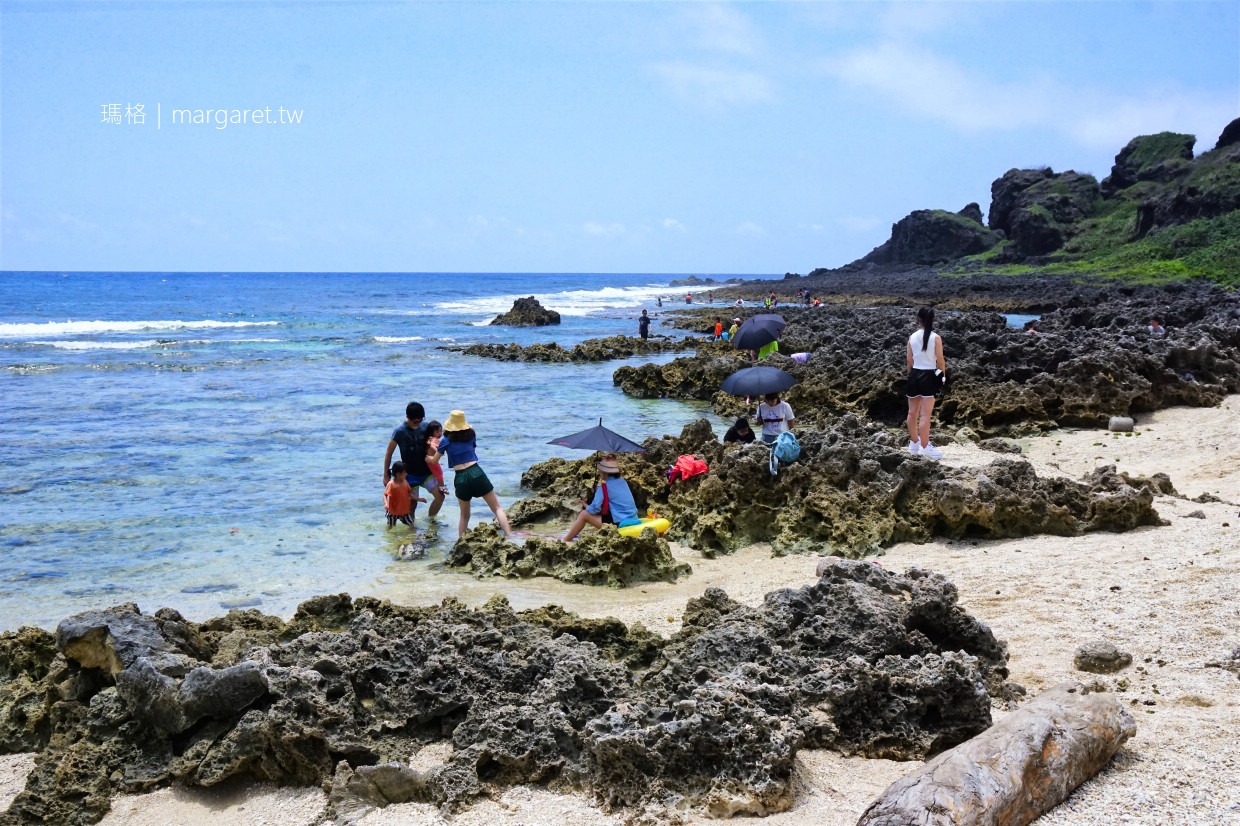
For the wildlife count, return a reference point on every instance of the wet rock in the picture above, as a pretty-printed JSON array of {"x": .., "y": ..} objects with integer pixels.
[
  {"x": 594, "y": 349},
  {"x": 602, "y": 557},
  {"x": 527, "y": 312},
  {"x": 863, "y": 661},
  {"x": 853, "y": 491},
  {"x": 1101, "y": 657}
]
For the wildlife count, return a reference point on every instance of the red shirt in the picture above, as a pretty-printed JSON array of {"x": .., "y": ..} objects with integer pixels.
[
  {"x": 718, "y": 329},
  {"x": 396, "y": 498}
]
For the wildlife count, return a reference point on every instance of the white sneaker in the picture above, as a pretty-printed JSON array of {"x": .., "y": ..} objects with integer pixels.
[
  {"x": 913, "y": 447},
  {"x": 931, "y": 452}
]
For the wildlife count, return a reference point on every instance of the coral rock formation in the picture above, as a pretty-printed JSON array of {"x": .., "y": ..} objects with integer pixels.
[{"x": 527, "y": 312}]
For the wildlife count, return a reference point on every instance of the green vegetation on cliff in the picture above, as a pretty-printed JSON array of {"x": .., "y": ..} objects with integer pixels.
[{"x": 1161, "y": 215}]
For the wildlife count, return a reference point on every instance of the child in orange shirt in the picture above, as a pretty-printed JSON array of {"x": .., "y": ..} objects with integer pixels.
[{"x": 398, "y": 497}]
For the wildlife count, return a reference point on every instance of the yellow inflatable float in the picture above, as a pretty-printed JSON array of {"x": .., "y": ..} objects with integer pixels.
[{"x": 659, "y": 525}]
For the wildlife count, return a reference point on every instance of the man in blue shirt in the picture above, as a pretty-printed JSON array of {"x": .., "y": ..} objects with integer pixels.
[
  {"x": 410, "y": 437},
  {"x": 619, "y": 501}
]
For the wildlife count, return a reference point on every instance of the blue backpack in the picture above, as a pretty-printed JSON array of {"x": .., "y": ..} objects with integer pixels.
[{"x": 785, "y": 450}]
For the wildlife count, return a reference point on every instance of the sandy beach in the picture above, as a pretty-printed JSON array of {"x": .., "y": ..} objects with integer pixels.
[{"x": 1164, "y": 594}]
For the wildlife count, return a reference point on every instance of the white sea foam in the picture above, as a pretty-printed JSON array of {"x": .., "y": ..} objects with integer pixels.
[
  {"x": 113, "y": 345},
  {"x": 397, "y": 339},
  {"x": 567, "y": 302},
  {"x": 77, "y": 328}
]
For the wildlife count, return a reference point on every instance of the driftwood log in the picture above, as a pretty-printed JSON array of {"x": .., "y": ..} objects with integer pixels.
[{"x": 1015, "y": 771}]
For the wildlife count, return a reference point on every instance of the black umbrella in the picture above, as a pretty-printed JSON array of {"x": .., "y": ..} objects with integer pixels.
[
  {"x": 757, "y": 381},
  {"x": 759, "y": 331},
  {"x": 599, "y": 438}
]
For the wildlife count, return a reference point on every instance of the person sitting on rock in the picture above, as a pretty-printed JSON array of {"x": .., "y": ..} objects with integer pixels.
[
  {"x": 1156, "y": 328},
  {"x": 739, "y": 433},
  {"x": 612, "y": 498},
  {"x": 775, "y": 416}
]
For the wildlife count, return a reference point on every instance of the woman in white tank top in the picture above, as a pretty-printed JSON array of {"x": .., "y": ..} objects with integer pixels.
[{"x": 926, "y": 376}]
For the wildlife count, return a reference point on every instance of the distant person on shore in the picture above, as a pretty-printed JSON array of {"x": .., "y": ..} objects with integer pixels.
[
  {"x": 739, "y": 433},
  {"x": 927, "y": 374},
  {"x": 434, "y": 432},
  {"x": 410, "y": 437},
  {"x": 398, "y": 498},
  {"x": 775, "y": 417},
  {"x": 612, "y": 500},
  {"x": 688, "y": 298},
  {"x": 718, "y": 328},
  {"x": 740, "y": 302},
  {"x": 817, "y": 303},
  {"x": 658, "y": 302},
  {"x": 643, "y": 326},
  {"x": 1156, "y": 328},
  {"x": 460, "y": 443},
  {"x": 710, "y": 298}
]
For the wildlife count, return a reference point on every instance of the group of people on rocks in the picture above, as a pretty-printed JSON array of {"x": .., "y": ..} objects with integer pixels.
[{"x": 421, "y": 444}]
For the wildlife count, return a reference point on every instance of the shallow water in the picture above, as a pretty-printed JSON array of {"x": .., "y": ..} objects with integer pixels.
[{"x": 209, "y": 441}]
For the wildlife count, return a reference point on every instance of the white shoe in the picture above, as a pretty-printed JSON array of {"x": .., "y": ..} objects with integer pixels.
[
  {"x": 931, "y": 452},
  {"x": 913, "y": 447}
]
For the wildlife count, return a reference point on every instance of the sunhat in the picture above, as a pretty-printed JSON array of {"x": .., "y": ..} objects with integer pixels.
[
  {"x": 609, "y": 465},
  {"x": 456, "y": 421},
  {"x": 736, "y": 321}
]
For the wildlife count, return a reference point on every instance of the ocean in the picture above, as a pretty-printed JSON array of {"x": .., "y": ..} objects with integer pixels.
[{"x": 209, "y": 441}]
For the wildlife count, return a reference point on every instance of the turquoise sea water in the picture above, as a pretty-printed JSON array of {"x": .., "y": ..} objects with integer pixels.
[{"x": 209, "y": 441}]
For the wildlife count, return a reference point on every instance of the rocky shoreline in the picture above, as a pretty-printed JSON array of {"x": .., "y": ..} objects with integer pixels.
[
  {"x": 339, "y": 697},
  {"x": 1085, "y": 363}
]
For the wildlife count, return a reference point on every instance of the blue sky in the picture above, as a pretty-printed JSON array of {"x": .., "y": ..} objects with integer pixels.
[{"x": 562, "y": 136}]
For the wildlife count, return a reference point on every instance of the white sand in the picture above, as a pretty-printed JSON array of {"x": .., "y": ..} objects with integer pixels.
[{"x": 1167, "y": 595}]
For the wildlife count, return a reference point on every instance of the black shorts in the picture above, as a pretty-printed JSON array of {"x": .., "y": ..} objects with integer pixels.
[
  {"x": 472, "y": 482},
  {"x": 406, "y": 518},
  {"x": 923, "y": 383}
]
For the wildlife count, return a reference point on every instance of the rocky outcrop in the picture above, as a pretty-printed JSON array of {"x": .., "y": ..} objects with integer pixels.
[
  {"x": 1150, "y": 158},
  {"x": 25, "y": 656},
  {"x": 1088, "y": 363},
  {"x": 1230, "y": 135},
  {"x": 527, "y": 312},
  {"x": 594, "y": 349},
  {"x": 602, "y": 557},
  {"x": 931, "y": 236},
  {"x": 1034, "y": 207},
  {"x": 1101, "y": 657},
  {"x": 863, "y": 661},
  {"x": 1021, "y": 768},
  {"x": 853, "y": 491}
]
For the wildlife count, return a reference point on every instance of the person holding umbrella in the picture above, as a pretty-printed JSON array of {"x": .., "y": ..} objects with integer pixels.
[
  {"x": 612, "y": 498},
  {"x": 460, "y": 443}
]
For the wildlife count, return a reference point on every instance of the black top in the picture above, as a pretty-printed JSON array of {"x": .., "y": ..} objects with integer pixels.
[
  {"x": 732, "y": 436},
  {"x": 643, "y": 323},
  {"x": 412, "y": 444}
]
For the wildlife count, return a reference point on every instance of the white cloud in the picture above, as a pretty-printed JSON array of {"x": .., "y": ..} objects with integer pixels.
[
  {"x": 672, "y": 223},
  {"x": 714, "y": 87},
  {"x": 750, "y": 229},
  {"x": 810, "y": 227},
  {"x": 924, "y": 83},
  {"x": 724, "y": 29},
  {"x": 602, "y": 230}
]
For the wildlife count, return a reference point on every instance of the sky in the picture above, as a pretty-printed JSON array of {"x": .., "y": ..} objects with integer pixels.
[{"x": 655, "y": 137}]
